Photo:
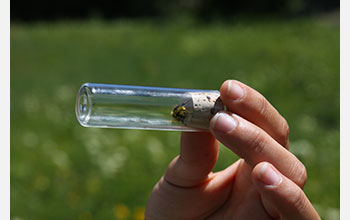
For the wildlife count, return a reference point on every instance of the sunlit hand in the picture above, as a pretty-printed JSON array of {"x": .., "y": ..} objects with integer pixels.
[{"x": 266, "y": 183}]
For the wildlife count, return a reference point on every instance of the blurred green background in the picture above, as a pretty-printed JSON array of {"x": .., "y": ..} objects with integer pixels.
[{"x": 60, "y": 170}]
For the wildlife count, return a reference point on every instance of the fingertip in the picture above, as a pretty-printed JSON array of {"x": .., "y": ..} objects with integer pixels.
[
  {"x": 225, "y": 88},
  {"x": 231, "y": 90},
  {"x": 225, "y": 85},
  {"x": 266, "y": 175},
  {"x": 256, "y": 172},
  {"x": 223, "y": 122}
]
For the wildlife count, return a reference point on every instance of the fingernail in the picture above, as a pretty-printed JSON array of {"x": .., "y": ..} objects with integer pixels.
[
  {"x": 234, "y": 91},
  {"x": 268, "y": 176},
  {"x": 222, "y": 122}
]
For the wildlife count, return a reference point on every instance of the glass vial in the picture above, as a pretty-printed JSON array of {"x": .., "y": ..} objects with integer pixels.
[{"x": 141, "y": 107}]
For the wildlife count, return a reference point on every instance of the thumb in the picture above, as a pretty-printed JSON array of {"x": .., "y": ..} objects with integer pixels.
[{"x": 281, "y": 197}]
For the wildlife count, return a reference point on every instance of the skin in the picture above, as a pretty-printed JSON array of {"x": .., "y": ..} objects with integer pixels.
[{"x": 266, "y": 183}]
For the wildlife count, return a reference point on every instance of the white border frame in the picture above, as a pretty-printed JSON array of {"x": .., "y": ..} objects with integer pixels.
[
  {"x": 5, "y": 111},
  {"x": 344, "y": 109}
]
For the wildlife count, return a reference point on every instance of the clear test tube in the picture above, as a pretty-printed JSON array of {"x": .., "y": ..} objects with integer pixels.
[{"x": 141, "y": 107}]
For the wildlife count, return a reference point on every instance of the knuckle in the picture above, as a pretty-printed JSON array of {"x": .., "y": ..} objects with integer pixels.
[
  {"x": 264, "y": 110},
  {"x": 299, "y": 174},
  {"x": 285, "y": 128},
  {"x": 284, "y": 135},
  {"x": 263, "y": 106},
  {"x": 303, "y": 176},
  {"x": 257, "y": 142}
]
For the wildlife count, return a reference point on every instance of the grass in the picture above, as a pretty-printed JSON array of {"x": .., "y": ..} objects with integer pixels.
[{"x": 60, "y": 170}]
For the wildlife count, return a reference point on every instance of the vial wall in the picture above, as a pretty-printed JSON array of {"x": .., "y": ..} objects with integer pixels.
[{"x": 142, "y": 107}]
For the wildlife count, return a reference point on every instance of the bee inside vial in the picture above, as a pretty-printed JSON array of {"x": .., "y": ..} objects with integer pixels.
[{"x": 180, "y": 112}]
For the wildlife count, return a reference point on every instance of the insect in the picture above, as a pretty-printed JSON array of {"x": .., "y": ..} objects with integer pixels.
[{"x": 180, "y": 112}]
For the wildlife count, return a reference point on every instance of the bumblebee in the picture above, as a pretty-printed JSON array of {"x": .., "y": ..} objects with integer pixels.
[{"x": 179, "y": 113}]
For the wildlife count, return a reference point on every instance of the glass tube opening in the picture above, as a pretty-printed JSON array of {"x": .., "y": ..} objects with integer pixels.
[{"x": 83, "y": 105}]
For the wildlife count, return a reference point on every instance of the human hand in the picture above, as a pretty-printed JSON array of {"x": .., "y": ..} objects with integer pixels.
[{"x": 266, "y": 183}]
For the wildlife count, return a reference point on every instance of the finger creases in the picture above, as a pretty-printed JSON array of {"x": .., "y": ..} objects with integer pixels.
[
  {"x": 254, "y": 107},
  {"x": 255, "y": 145}
]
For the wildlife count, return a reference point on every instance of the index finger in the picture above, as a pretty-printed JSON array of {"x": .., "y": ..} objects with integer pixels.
[{"x": 254, "y": 107}]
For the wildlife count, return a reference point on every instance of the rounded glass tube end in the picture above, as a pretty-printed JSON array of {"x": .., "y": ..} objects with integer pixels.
[{"x": 83, "y": 105}]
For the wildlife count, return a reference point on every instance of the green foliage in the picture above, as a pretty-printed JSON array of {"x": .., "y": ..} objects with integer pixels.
[{"x": 60, "y": 170}]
